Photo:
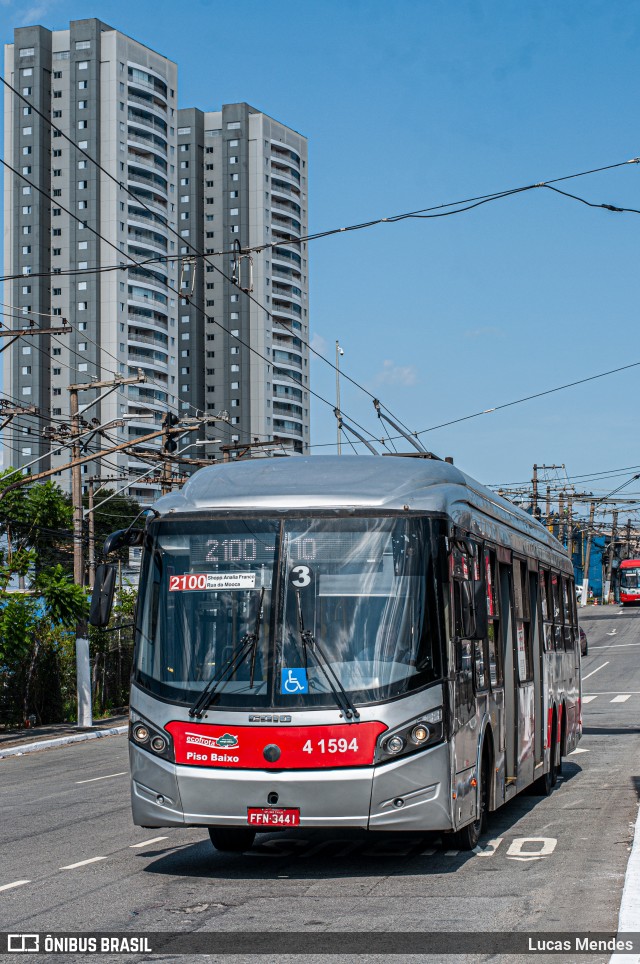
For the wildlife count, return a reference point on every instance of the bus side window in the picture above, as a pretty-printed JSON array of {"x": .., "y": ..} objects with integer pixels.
[
  {"x": 493, "y": 617},
  {"x": 556, "y": 605},
  {"x": 521, "y": 595},
  {"x": 545, "y": 603},
  {"x": 568, "y": 614}
]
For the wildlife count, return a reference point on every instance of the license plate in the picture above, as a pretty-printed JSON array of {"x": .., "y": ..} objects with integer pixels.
[{"x": 272, "y": 817}]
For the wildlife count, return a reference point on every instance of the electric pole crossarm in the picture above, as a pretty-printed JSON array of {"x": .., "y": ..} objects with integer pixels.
[{"x": 28, "y": 479}]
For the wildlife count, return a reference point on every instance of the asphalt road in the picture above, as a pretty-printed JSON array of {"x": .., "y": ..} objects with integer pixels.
[{"x": 71, "y": 859}]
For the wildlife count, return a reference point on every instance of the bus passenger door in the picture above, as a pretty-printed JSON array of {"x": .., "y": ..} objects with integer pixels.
[
  {"x": 509, "y": 662},
  {"x": 465, "y": 723}
]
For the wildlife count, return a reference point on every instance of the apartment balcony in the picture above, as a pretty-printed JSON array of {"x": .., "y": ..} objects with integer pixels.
[
  {"x": 148, "y": 178},
  {"x": 284, "y": 187},
  {"x": 284, "y": 204},
  {"x": 146, "y": 158},
  {"x": 158, "y": 340},
  {"x": 286, "y": 426},
  {"x": 282, "y": 169},
  {"x": 280, "y": 152},
  {"x": 149, "y": 197},
  {"x": 147, "y": 120},
  {"x": 286, "y": 256},
  {"x": 147, "y": 139},
  {"x": 287, "y": 222},
  {"x": 288, "y": 409},
  {"x": 150, "y": 103}
]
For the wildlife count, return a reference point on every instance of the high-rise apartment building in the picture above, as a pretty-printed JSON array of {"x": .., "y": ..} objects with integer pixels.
[
  {"x": 115, "y": 99},
  {"x": 242, "y": 183},
  {"x": 175, "y": 185}
]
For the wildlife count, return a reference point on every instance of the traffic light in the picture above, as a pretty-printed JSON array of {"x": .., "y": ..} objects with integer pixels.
[{"x": 169, "y": 444}]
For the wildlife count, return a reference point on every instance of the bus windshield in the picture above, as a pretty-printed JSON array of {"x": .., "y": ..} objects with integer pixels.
[
  {"x": 630, "y": 578},
  {"x": 355, "y": 596}
]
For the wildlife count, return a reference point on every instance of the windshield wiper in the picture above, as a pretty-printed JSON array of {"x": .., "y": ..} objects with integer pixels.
[
  {"x": 311, "y": 644},
  {"x": 248, "y": 644}
]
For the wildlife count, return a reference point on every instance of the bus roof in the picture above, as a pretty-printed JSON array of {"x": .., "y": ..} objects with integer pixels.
[{"x": 349, "y": 482}]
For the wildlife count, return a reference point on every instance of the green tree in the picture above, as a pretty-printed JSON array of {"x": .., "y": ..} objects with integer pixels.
[{"x": 44, "y": 604}]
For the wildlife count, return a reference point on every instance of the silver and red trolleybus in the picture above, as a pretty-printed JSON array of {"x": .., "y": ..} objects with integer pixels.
[
  {"x": 629, "y": 575},
  {"x": 373, "y": 642}
]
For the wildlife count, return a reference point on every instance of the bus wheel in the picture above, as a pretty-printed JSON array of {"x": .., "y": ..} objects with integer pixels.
[
  {"x": 545, "y": 784},
  {"x": 232, "y": 839}
]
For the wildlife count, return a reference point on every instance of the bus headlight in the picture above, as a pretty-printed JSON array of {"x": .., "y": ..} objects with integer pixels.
[
  {"x": 140, "y": 733},
  {"x": 420, "y": 734},
  {"x": 149, "y": 738}
]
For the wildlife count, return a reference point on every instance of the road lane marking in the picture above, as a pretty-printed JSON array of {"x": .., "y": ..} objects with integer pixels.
[
  {"x": 83, "y": 863},
  {"x": 620, "y": 699},
  {"x": 589, "y": 699},
  {"x": 451, "y": 853},
  {"x": 612, "y": 633},
  {"x": 16, "y": 883},
  {"x": 615, "y": 693},
  {"x": 593, "y": 673},
  {"x": 147, "y": 843},
  {"x": 578, "y": 749},
  {"x": 109, "y": 776},
  {"x": 613, "y": 646},
  {"x": 489, "y": 849},
  {"x": 516, "y": 850}
]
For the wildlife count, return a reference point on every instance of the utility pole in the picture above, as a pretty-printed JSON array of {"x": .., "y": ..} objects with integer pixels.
[
  {"x": 548, "y": 506},
  {"x": 534, "y": 500},
  {"x": 607, "y": 583},
  {"x": 83, "y": 662},
  {"x": 628, "y": 538},
  {"x": 561, "y": 518},
  {"x": 339, "y": 352},
  {"x": 570, "y": 525},
  {"x": 587, "y": 559}
]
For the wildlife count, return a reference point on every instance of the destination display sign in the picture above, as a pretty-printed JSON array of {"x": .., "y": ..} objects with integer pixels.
[{"x": 201, "y": 581}]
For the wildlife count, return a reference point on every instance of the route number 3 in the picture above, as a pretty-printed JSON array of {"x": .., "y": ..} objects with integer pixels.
[{"x": 300, "y": 577}]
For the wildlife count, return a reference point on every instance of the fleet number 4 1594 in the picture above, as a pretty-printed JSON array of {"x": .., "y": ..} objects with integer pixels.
[{"x": 331, "y": 746}]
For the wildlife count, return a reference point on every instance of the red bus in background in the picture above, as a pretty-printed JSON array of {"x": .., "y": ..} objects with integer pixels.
[{"x": 629, "y": 581}]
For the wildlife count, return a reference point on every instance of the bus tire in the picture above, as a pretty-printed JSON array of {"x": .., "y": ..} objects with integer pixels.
[
  {"x": 232, "y": 840},
  {"x": 544, "y": 785}
]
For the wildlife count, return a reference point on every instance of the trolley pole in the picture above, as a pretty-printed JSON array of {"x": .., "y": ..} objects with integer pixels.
[{"x": 587, "y": 557}]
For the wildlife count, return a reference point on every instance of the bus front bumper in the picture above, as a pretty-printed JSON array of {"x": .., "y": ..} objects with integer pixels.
[{"x": 408, "y": 794}]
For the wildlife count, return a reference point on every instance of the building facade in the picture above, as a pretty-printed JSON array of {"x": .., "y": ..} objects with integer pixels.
[
  {"x": 179, "y": 193},
  {"x": 242, "y": 183},
  {"x": 116, "y": 100}
]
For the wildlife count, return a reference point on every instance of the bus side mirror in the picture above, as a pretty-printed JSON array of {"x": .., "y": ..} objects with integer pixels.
[
  {"x": 102, "y": 596},
  {"x": 121, "y": 538}
]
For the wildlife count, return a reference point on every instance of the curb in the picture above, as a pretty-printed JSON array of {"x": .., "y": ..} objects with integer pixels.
[
  {"x": 630, "y": 902},
  {"x": 61, "y": 741}
]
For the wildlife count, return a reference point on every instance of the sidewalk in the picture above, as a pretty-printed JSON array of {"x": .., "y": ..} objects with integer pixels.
[{"x": 13, "y": 742}]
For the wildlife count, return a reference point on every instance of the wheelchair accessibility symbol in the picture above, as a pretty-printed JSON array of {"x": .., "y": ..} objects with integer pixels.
[{"x": 294, "y": 681}]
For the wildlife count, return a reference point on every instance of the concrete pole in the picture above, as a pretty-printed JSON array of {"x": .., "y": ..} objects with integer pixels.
[
  {"x": 534, "y": 499},
  {"x": 587, "y": 558},
  {"x": 92, "y": 538},
  {"x": 606, "y": 589},
  {"x": 83, "y": 662},
  {"x": 338, "y": 353}
]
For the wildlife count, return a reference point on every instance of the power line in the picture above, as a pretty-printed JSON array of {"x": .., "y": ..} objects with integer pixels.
[
  {"x": 470, "y": 203},
  {"x": 198, "y": 253}
]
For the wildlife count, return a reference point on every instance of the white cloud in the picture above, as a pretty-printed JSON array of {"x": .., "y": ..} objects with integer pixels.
[
  {"x": 393, "y": 374},
  {"x": 318, "y": 344}
]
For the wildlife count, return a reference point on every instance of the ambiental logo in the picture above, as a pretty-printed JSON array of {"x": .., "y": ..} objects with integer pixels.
[{"x": 226, "y": 741}]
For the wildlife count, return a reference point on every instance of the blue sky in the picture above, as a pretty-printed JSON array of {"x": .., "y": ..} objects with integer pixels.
[{"x": 410, "y": 104}]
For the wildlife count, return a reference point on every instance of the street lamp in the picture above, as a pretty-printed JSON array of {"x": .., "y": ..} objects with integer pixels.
[{"x": 339, "y": 352}]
